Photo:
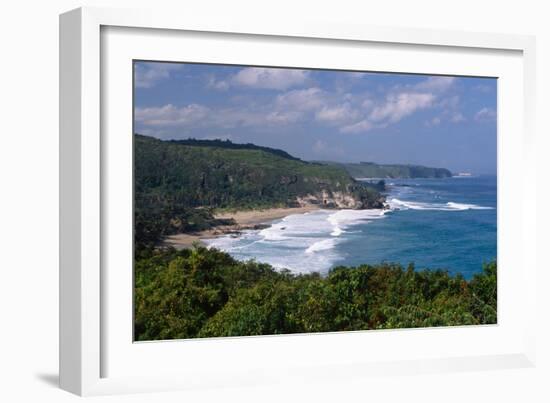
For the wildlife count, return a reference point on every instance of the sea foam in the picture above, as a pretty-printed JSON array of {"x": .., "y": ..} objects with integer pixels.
[
  {"x": 299, "y": 242},
  {"x": 343, "y": 219},
  {"x": 449, "y": 206},
  {"x": 321, "y": 245}
]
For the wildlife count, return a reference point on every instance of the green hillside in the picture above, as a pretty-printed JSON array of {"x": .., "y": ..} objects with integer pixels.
[
  {"x": 372, "y": 170},
  {"x": 227, "y": 144},
  {"x": 178, "y": 184}
]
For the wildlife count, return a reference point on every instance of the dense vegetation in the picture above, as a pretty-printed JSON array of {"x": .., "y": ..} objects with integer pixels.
[
  {"x": 227, "y": 144},
  {"x": 178, "y": 184},
  {"x": 372, "y": 170},
  {"x": 206, "y": 293}
]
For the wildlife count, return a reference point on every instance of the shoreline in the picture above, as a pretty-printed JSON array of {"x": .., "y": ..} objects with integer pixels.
[
  {"x": 244, "y": 220},
  {"x": 256, "y": 217}
]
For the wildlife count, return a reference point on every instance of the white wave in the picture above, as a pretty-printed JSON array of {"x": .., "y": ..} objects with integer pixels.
[
  {"x": 273, "y": 233},
  {"x": 300, "y": 242},
  {"x": 337, "y": 231},
  {"x": 405, "y": 205},
  {"x": 343, "y": 219},
  {"x": 463, "y": 206},
  {"x": 322, "y": 245},
  {"x": 450, "y": 206},
  {"x": 296, "y": 225}
]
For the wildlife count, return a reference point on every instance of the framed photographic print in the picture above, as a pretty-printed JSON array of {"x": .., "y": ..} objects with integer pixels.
[{"x": 259, "y": 200}]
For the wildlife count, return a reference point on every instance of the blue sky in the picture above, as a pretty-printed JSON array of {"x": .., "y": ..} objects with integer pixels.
[{"x": 331, "y": 115}]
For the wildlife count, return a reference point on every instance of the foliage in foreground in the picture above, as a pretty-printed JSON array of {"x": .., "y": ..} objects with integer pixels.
[{"x": 206, "y": 293}]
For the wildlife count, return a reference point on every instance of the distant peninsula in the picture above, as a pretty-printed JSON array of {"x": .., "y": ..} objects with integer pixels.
[{"x": 394, "y": 171}]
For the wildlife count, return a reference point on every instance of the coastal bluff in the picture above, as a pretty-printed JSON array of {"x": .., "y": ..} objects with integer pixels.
[{"x": 180, "y": 185}]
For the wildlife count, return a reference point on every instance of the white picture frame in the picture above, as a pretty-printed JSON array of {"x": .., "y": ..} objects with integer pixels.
[{"x": 88, "y": 316}]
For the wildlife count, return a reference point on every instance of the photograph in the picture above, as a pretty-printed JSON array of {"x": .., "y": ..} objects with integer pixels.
[{"x": 270, "y": 200}]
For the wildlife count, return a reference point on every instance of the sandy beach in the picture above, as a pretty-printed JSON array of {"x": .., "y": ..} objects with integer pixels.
[
  {"x": 248, "y": 219},
  {"x": 251, "y": 217}
]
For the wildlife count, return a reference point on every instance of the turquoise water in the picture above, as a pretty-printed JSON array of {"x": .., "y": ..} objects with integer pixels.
[{"x": 434, "y": 223}]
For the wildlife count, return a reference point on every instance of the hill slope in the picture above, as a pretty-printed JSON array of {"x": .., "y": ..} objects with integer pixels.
[
  {"x": 177, "y": 184},
  {"x": 233, "y": 146}
]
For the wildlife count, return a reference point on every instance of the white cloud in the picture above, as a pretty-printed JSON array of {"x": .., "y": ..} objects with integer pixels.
[
  {"x": 435, "y": 121},
  {"x": 347, "y": 112},
  {"x": 359, "y": 127},
  {"x": 446, "y": 115},
  {"x": 404, "y": 101},
  {"x": 261, "y": 78},
  {"x": 270, "y": 78},
  {"x": 303, "y": 100},
  {"x": 457, "y": 117},
  {"x": 450, "y": 109},
  {"x": 485, "y": 115},
  {"x": 398, "y": 106},
  {"x": 317, "y": 104},
  {"x": 283, "y": 117},
  {"x": 337, "y": 113},
  {"x": 170, "y": 115},
  {"x": 217, "y": 84},
  {"x": 435, "y": 84},
  {"x": 367, "y": 104},
  {"x": 147, "y": 75},
  {"x": 195, "y": 116}
]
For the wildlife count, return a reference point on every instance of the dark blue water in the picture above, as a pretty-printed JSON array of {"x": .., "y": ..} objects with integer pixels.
[
  {"x": 427, "y": 231},
  {"x": 434, "y": 223}
]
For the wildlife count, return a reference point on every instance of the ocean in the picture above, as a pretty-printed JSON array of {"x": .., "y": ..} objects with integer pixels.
[{"x": 448, "y": 223}]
